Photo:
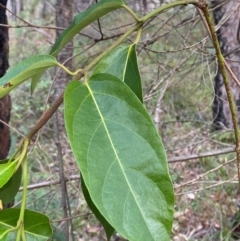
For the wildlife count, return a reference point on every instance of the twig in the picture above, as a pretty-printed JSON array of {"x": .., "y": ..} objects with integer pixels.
[
  {"x": 208, "y": 187},
  {"x": 45, "y": 117},
  {"x": 203, "y": 175},
  {"x": 30, "y": 26},
  {"x": 24, "y": 21},
  {"x": 70, "y": 218},
  {"x": 204, "y": 154},
  {"x": 64, "y": 195},
  {"x": 231, "y": 73},
  {"x": 15, "y": 130},
  {"x": 50, "y": 183}
]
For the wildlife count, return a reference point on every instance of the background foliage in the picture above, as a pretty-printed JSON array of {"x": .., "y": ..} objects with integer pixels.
[{"x": 177, "y": 67}]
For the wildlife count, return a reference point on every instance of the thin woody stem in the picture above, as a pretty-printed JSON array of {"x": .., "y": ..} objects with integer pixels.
[{"x": 45, "y": 117}]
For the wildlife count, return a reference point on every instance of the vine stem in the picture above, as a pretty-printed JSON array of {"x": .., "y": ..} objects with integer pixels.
[
  {"x": 25, "y": 178},
  {"x": 20, "y": 224},
  {"x": 138, "y": 36},
  {"x": 221, "y": 63},
  {"x": 166, "y": 7},
  {"x": 114, "y": 45},
  {"x": 80, "y": 73},
  {"x": 132, "y": 13}
]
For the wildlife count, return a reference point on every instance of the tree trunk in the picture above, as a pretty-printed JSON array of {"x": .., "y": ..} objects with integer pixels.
[
  {"x": 227, "y": 14},
  {"x": 63, "y": 20},
  {"x": 82, "y": 5},
  {"x": 145, "y": 6},
  {"x": 5, "y": 102}
]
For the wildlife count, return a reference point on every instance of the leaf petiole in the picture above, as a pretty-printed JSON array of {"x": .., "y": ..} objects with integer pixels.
[
  {"x": 68, "y": 71},
  {"x": 132, "y": 13},
  {"x": 138, "y": 36}
]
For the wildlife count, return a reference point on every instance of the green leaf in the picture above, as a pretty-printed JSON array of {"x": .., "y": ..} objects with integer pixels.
[
  {"x": 109, "y": 230},
  {"x": 35, "y": 80},
  {"x": 10, "y": 189},
  {"x": 6, "y": 172},
  {"x": 25, "y": 70},
  {"x": 84, "y": 19},
  {"x": 121, "y": 157},
  {"x": 122, "y": 63},
  {"x": 36, "y": 225}
]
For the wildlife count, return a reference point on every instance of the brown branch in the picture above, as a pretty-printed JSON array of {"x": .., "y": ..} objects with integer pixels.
[
  {"x": 48, "y": 113},
  {"x": 30, "y": 26},
  {"x": 45, "y": 117},
  {"x": 50, "y": 183},
  {"x": 200, "y": 155},
  {"x": 70, "y": 218}
]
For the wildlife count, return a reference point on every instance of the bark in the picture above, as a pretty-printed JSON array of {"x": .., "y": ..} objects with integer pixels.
[
  {"x": 145, "y": 6},
  {"x": 82, "y": 5},
  {"x": 228, "y": 36},
  {"x": 16, "y": 8},
  {"x": 5, "y": 102},
  {"x": 63, "y": 19}
]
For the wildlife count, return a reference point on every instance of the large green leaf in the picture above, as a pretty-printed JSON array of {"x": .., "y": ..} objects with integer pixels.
[
  {"x": 84, "y": 19},
  {"x": 10, "y": 189},
  {"x": 121, "y": 157},
  {"x": 36, "y": 225},
  {"x": 109, "y": 230},
  {"x": 122, "y": 63},
  {"x": 25, "y": 70},
  {"x": 6, "y": 172}
]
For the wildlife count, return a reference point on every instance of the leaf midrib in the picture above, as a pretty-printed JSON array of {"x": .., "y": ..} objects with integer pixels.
[
  {"x": 117, "y": 157},
  {"x": 126, "y": 63}
]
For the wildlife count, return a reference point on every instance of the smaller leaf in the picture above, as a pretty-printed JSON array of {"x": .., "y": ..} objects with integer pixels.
[
  {"x": 35, "y": 80},
  {"x": 84, "y": 19},
  {"x": 122, "y": 63},
  {"x": 25, "y": 70},
  {"x": 10, "y": 189},
  {"x": 36, "y": 225},
  {"x": 6, "y": 172},
  {"x": 109, "y": 230}
]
